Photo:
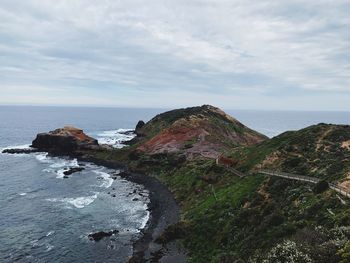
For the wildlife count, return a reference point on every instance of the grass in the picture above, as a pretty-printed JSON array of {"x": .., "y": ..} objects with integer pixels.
[{"x": 227, "y": 219}]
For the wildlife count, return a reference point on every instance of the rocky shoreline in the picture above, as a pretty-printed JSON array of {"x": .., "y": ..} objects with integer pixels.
[{"x": 164, "y": 211}]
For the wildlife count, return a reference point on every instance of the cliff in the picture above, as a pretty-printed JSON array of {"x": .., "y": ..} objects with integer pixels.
[{"x": 64, "y": 140}]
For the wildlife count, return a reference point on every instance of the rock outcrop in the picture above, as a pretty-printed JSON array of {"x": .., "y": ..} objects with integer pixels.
[
  {"x": 100, "y": 235},
  {"x": 19, "y": 151},
  {"x": 204, "y": 131},
  {"x": 138, "y": 128},
  {"x": 73, "y": 170},
  {"x": 65, "y": 140}
]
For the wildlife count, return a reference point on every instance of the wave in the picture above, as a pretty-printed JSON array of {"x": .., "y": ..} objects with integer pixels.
[
  {"x": 56, "y": 165},
  {"x": 115, "y": 138},
  {"x": 78, "y": 202},
  {"x": 24, "y": 146},
  {"x": 107, "y": 180},
  {"x": 60, "y": 173},
  {"x": 50, "y": 233},
  {"x": 42, "y": 157},
  {"x": 49, "y": 247}
]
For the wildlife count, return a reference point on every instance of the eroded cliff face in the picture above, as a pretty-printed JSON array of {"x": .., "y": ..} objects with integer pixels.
[
  {"x": 65, "y": 140},
  {"x": 204, "y": 131}
]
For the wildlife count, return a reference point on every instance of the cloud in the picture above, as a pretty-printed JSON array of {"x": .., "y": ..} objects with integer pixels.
[{"x": 188, "y": 51}]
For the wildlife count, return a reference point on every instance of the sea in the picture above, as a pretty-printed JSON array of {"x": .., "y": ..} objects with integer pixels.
[{"x": 45, "y": 217}]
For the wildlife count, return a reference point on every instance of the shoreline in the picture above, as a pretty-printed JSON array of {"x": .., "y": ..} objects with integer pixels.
[
  {"x": 163, "y": 208},
  {"x": 164, "y": 211}
]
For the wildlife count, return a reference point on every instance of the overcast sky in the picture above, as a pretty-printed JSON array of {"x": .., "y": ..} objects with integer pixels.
[{"x": 159, "y": 53}]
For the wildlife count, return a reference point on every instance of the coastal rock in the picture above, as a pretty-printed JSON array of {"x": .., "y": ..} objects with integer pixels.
[
  {"x": 16, "y": 151},
  {"x": 139, "y": 125},
  {"x": 124, "y": 174},
  {"x": 65, "y": 140},
  {"x": 128, "y": 132},
  {"x": 100, "y": 235},
  {"x": 114, "y": 176},
  {"x": 73, "y": 170}
]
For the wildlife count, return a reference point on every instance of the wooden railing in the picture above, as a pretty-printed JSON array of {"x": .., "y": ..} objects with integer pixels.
[
  {"x": 339, "y": 189},
  {"x": 235, "y": 172}
]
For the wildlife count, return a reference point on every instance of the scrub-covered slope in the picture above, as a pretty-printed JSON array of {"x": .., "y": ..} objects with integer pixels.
[
  {"x": 321, "y": 151},
  {"x": 256, "y": 218}
]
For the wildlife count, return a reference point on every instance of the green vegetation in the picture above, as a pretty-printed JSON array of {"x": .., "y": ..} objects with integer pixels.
[
  {"x": 255, "y": 218},
  {"x": 315, "y": 151},
  {"x": 226, "y": 218}
]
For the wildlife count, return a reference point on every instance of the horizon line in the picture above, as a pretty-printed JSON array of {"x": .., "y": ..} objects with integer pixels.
[{"x": 164, "y": 108}]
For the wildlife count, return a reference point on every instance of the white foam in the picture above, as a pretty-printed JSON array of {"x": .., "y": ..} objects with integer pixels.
[
  {"x": 144, "y": 220},
  {"x": 60, "y": 173},
  {"x": 43, "y": 157},
  {"x": 24, "y": 146},
  {"x": 22, "y": 194},
  {"x": 115, "y": 138},
  {"x": 56, "y": 165},
  {"x": 49, "y": 247},
  {"x": 59, "y": 163},
  {"x": 107, "y": 180},
  {"x": 79, "y": 202},
  {"x": 50, "y": 233},
  {"x": 124, "y": 130}
]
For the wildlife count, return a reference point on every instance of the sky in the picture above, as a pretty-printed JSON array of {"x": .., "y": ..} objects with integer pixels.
[{"x": 234, "y": 54}]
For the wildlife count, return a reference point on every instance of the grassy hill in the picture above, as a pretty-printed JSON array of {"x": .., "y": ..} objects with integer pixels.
[
  {"x": 321, "y": 151},
  {"x": 256, "y": 218}
]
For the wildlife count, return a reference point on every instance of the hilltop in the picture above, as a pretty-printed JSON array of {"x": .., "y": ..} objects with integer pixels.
[{"x": 204, "y": 131}]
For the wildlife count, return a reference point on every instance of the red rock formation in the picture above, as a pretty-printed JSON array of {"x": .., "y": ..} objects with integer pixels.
[
  {"x": 65, "y": 140},
  {"x": 199, "y": 131}
]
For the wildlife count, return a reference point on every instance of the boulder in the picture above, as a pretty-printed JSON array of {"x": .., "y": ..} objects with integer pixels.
[
  {"x": 73, "y": 170},
  {"x": 99, "y": 235},
  {"x": 139, "y": 125},
  {"x": 65, "y": 140}
]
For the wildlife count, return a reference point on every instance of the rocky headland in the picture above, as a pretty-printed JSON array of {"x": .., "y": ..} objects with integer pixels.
[
  {"x": 210, "y": 162},
  {"x": 66, "y": 140}
]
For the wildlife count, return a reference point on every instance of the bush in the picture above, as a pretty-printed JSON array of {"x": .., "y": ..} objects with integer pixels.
[
  {"x": 320, "y": 187},
  {"x": 287, "y": 251}
]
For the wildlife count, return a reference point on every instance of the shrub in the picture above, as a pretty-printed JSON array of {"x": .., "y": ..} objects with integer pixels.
[
  {"x": 320, "y": 187},
  {"x": 288, "y": 251}
]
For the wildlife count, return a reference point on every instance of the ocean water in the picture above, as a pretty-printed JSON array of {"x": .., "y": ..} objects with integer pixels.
[{"x": 46, "y": 218}]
